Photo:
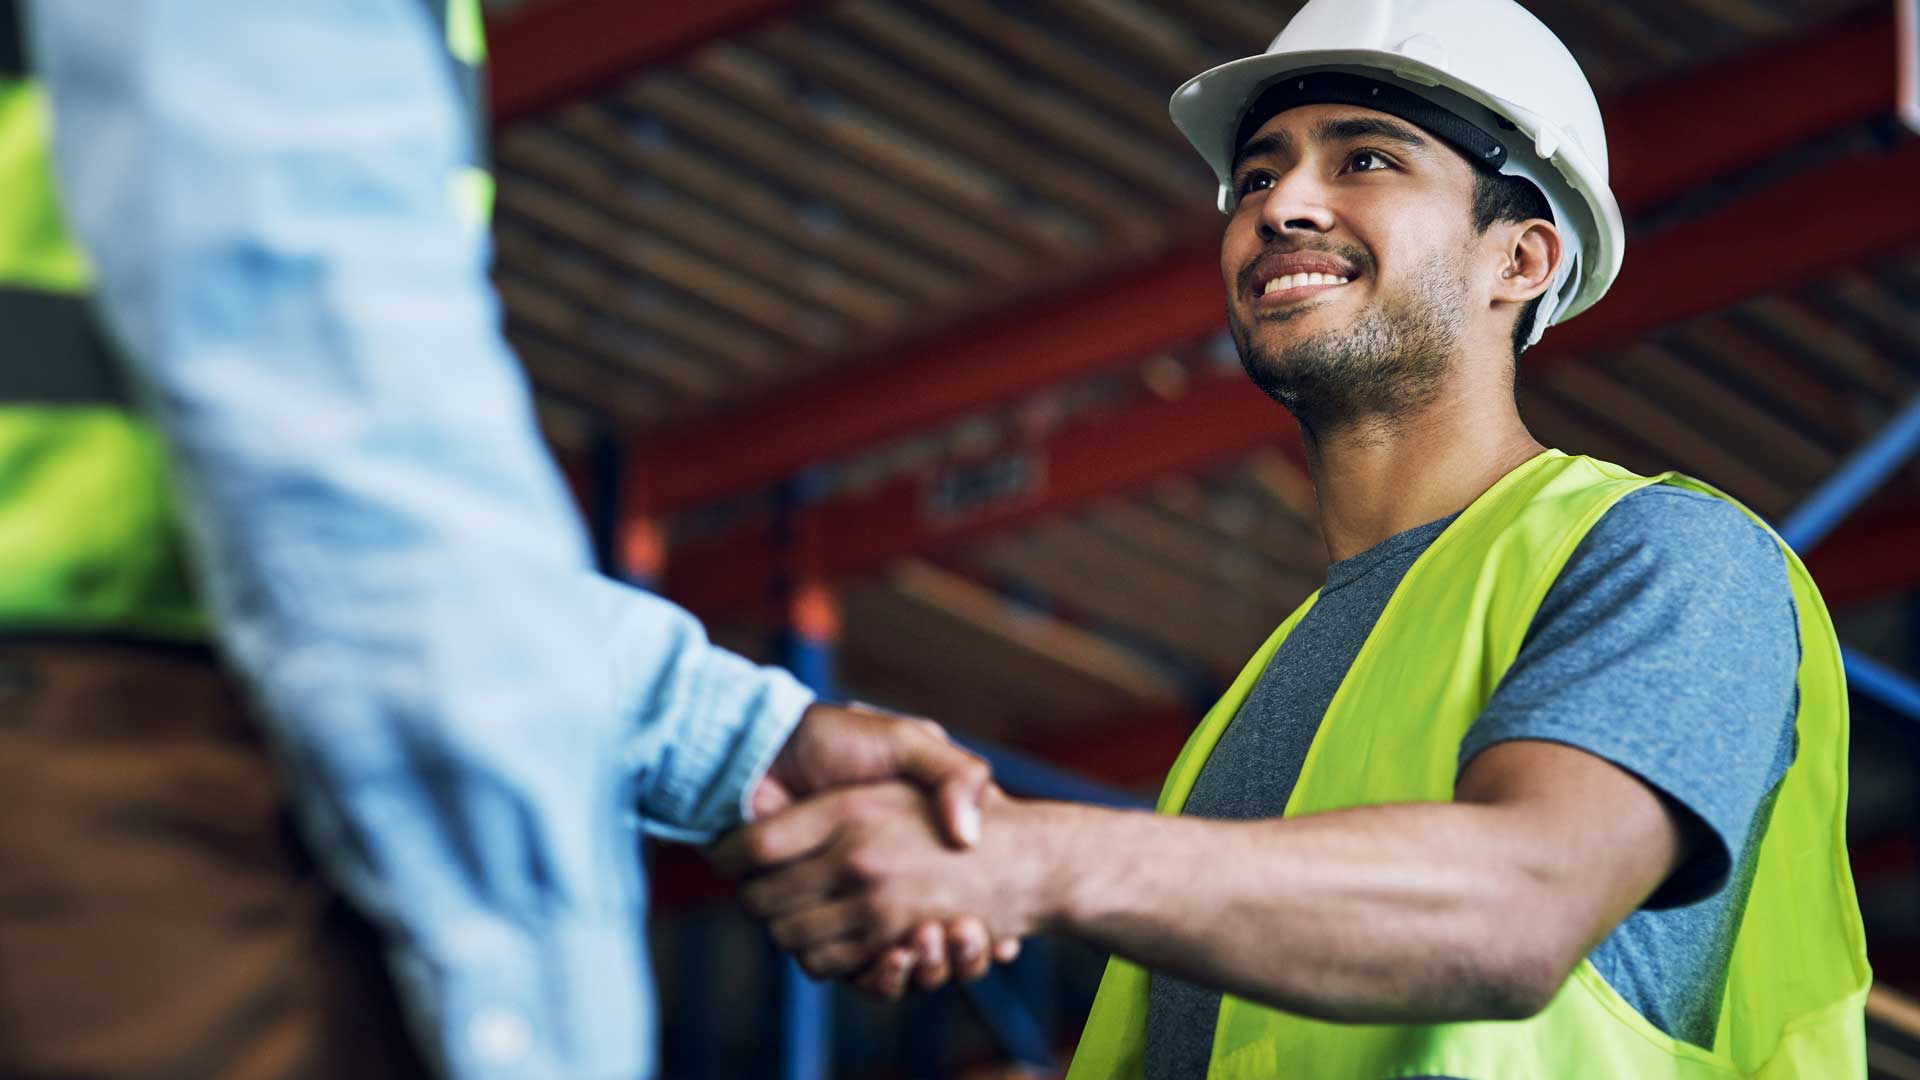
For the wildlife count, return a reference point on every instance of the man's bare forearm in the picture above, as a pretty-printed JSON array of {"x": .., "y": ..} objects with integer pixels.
[
  {"x": 1417, "y": 912},
  {"x": 1473, "y": 909}
]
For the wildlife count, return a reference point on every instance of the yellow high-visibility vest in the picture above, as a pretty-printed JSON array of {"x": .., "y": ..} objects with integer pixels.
[
  {"x": 89, "y": 534},
  {"x": 1797, "y": 985}
]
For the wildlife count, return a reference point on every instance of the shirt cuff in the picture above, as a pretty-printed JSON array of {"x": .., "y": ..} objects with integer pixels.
[
  {"x": 742, "y": 715},
  {"x": 489, "y": 999}
]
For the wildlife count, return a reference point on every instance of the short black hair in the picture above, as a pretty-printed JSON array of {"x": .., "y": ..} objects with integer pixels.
[{"x": 1498, "y": 197}]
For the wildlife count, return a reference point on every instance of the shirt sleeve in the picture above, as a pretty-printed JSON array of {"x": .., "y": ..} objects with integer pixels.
[
  {"x": 470, "y": 717},
  {"x": 1670, "y": 647}
]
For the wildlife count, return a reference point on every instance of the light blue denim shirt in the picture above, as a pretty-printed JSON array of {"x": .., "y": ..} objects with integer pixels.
[{"x": 475, "y": 722}]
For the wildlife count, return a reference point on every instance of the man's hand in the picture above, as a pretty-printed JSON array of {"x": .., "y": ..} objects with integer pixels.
[
  {"x": 845, "y": 877},
  {"x": 833, "y": 747}
]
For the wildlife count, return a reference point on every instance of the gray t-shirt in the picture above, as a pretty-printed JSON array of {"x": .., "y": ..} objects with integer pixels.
[{"x": 1668, "y": 646}]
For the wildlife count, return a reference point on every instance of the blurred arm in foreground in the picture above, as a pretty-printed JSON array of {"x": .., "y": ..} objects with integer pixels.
[{"x": 473, "y": 719}]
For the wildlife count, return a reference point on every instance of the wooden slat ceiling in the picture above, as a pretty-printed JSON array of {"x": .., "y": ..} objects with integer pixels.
[
  {"x": 831, "y": 187},
  {"x": 801, "y": 198}
]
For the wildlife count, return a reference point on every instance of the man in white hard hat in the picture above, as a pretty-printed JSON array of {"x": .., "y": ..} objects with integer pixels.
[{"x": 1548, "y": 779}]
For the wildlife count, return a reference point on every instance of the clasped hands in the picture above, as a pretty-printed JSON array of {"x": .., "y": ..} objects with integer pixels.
[{"x": 868, "y": 859}]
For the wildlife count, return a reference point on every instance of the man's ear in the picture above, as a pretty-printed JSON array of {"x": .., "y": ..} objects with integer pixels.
[{"x": 1532, "y": 254}]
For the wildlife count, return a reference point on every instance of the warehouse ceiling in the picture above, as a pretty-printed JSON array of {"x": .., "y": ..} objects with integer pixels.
[
  {"x": 825, "y": 188},
  {"x": 699, "y": 253}
]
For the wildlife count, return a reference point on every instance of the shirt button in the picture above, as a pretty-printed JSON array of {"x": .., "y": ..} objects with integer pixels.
[{"x": 499, "y": 1036}]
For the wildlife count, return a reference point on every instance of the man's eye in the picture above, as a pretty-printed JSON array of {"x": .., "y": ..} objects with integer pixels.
[
  {"x": 1367, "y": 161},
  {"x": 1253, "y": 182}
]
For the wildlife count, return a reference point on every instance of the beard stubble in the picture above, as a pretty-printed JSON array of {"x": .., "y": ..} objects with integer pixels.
[{"x": 1388, "y": 364}]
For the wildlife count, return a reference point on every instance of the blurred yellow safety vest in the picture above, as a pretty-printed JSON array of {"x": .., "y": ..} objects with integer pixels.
[
  {"x": 1797, "y": 985},
  {"x": 90, "y": 541}
]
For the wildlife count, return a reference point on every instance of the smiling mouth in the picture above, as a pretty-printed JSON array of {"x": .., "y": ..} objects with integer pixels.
[{"x": 1290, "y": 287}]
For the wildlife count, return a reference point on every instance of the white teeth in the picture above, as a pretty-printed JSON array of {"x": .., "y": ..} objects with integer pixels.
[{"x": 1294, "y": 281}]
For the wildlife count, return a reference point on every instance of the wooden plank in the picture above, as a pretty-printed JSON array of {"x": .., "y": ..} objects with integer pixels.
[
  {"x": 715, "y": 345},
  {"x": 1726, "y": 415},
  {"x": 1133, "y": 224},
  {"x": 1060, "y": 575},
  {"x": 1160, "y": 39},
  {"x": 1252, "y": 505},
  {"x": 1290, "y": 547},
  {"x": 1559, "y": 425},
  {"x": 1155, "y": 584},
  {"x": 565, "y": 374},
  {"x": 1156, "y": 166},
  {"x": 1176, "y": 542},
  {"x": 1859, "y": 298},
  {"x": 1829, "y": 344},
  {"x": 993, "y": 688},
  {"x": 756, "y": 205},
  {"x": 1083, "y": 654},
  {"x": 662, "y": 211},
  {"x": 1145, "y": 109},
  {"x": 1729, "y": 352},
  {"x": 1244, "y": 28},
  {"x": 1596, "y": 391},
  {"x": 558, "y": 317},
  {"x": 860, "y": 194},
  {"x": 952, "y": 182},
  {"x": 721, "y": 289}
]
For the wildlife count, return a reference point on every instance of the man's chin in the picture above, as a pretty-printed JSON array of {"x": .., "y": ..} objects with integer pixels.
[
  {"x": 1283, "y": 329},
  {"x": 1292, "y": 315}
]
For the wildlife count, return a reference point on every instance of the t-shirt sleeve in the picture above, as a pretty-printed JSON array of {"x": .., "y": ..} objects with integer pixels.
[{"x": 1670, "y": 647}]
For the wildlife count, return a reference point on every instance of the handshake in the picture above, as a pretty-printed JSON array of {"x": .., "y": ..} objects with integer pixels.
[{"x": 883, "y": 854}]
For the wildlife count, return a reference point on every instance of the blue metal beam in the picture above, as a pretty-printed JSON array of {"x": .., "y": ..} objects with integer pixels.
[
  {"x": 1016, "y": 1025},
  {"x": 1868, "y": 676},
  {"x": 1821, "y": 512},
  {"x": 1857, "y": 478},
  {"x": 805, "y": 1025},
  {"x": 806, "y": 1006}
]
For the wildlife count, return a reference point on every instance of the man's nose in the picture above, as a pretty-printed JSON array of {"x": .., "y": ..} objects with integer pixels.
[{"x": 1295, "y": 204}]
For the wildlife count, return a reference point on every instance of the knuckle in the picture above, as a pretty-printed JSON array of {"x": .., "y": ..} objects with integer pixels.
[
  {"x": 761, "y": 845},
  {"x": 782, "y": 932},
  {"x": 867, "y": 912},
  {"x": 868, "y": 865},
  {"x": 860, "y": 805},
  {"x": 968, "y": 936}
]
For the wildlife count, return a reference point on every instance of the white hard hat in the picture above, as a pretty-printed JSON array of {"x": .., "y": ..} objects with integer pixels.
[{"x": 1487, "y": 62}]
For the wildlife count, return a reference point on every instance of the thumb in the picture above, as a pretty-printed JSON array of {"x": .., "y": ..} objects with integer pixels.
[
  {"x": 770, "y": 798},
  {"x": 957, "y": 778}
]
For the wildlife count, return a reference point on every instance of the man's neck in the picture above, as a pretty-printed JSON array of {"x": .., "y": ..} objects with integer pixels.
[{"x": 1373, "y": 480}]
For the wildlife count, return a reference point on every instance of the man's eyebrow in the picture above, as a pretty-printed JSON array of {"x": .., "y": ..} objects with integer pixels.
[
  {"x": 1336, "y": 129},
  {"x": 1349, "y": 128},
  {"x": 1268, "y": 145}
]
